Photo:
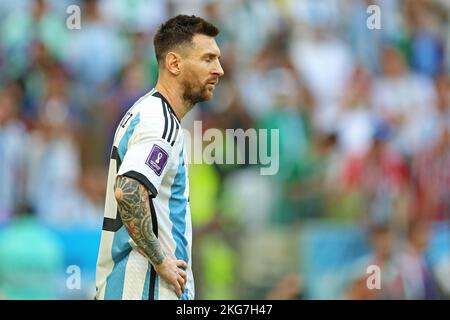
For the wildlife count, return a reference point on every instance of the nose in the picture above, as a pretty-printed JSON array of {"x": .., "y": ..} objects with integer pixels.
[{"x": 218, "y": 71}]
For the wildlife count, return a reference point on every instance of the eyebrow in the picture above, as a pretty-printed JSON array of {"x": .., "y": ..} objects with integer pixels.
[{"x": 211, "y": 55}]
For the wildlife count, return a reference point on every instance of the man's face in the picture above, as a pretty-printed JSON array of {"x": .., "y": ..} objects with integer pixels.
[{"x": 201, "y": 69}]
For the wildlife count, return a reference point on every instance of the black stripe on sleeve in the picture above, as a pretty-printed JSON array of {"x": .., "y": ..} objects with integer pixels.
[
  {"x": 172, "y": 125},
  {"x": 112, "y": 225},
  {"x": 166, "y": 121},
  {"x": 176, "y": 134},
  {"x": 115, "y": 155},
  {"x": 142, "y": 179}
]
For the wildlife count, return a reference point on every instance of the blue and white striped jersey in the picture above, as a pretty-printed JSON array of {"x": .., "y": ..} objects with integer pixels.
[{"x": 149, "y": 147}]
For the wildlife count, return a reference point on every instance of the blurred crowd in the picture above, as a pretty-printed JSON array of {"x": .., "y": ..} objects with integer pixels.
[{"x": 364, "y": 122}]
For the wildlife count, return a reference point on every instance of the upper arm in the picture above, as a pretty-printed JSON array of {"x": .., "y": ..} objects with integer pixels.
[
  {"x": 132, "y": 198},
  {"x": 126, "y": 187}
]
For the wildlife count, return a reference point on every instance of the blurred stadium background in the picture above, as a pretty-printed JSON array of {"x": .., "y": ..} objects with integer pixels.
[{"x": 364, "y": 120}]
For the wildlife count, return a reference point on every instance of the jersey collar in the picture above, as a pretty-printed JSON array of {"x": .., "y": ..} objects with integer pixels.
[{"x": 159, "y": 95}]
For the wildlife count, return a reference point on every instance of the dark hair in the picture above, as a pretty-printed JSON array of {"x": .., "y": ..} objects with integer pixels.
[{"x": 180, "y": 30}]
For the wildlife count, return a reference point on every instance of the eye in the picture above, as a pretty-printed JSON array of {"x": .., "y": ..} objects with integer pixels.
[{"x": 210, "y": 58}]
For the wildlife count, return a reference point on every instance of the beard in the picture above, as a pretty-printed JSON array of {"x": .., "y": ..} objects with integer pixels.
[{"x": 193, "y": 95}]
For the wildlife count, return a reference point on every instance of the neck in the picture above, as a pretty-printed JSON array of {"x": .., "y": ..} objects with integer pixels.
[{"x": 174, "y": 96}]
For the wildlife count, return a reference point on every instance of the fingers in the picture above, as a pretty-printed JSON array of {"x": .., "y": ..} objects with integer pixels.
[
  {"x": 183, "y": 275},
  {"x": 182, "y": 264},
  {"x": 179, "y": 282},
  {"x": 182, "y": 283},
  {"x": 177, "y": 288},
  {"x": 176, "y": 282}
]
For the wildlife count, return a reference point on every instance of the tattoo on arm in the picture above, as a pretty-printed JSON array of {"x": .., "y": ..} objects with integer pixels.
[{"x": 134, "y": 209}]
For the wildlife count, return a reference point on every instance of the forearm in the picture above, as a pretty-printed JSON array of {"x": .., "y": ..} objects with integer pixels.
[{"x": 134, "y": 208}]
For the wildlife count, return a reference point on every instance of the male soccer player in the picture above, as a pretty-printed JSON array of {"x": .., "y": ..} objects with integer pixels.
[{"x": 145, "y": 249}]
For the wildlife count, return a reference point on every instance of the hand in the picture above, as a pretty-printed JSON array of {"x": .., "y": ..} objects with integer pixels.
[{"x": 172, "y": 271}]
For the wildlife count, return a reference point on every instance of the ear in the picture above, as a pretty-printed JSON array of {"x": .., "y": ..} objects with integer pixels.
[{"x": 173, "y": 63}]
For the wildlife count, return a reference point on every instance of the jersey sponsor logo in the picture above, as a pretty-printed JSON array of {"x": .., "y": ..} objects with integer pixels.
[{"x": 157, "y": 159}]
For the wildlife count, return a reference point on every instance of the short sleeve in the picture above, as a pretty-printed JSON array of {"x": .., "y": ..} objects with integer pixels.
[{"x": 148, "y": 154}]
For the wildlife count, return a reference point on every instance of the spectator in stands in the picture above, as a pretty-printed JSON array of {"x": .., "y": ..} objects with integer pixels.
[
  {"x": 405, "y": 101},
  {"x": 418, "y": 279},
  {"x": 12, "y": 152},
  {"x": 382, "y": 175},
  {"x": 385, "y": 258}
]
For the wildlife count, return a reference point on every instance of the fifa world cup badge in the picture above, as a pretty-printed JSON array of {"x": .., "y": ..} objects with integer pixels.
[{"x": 157, "y": 159}]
